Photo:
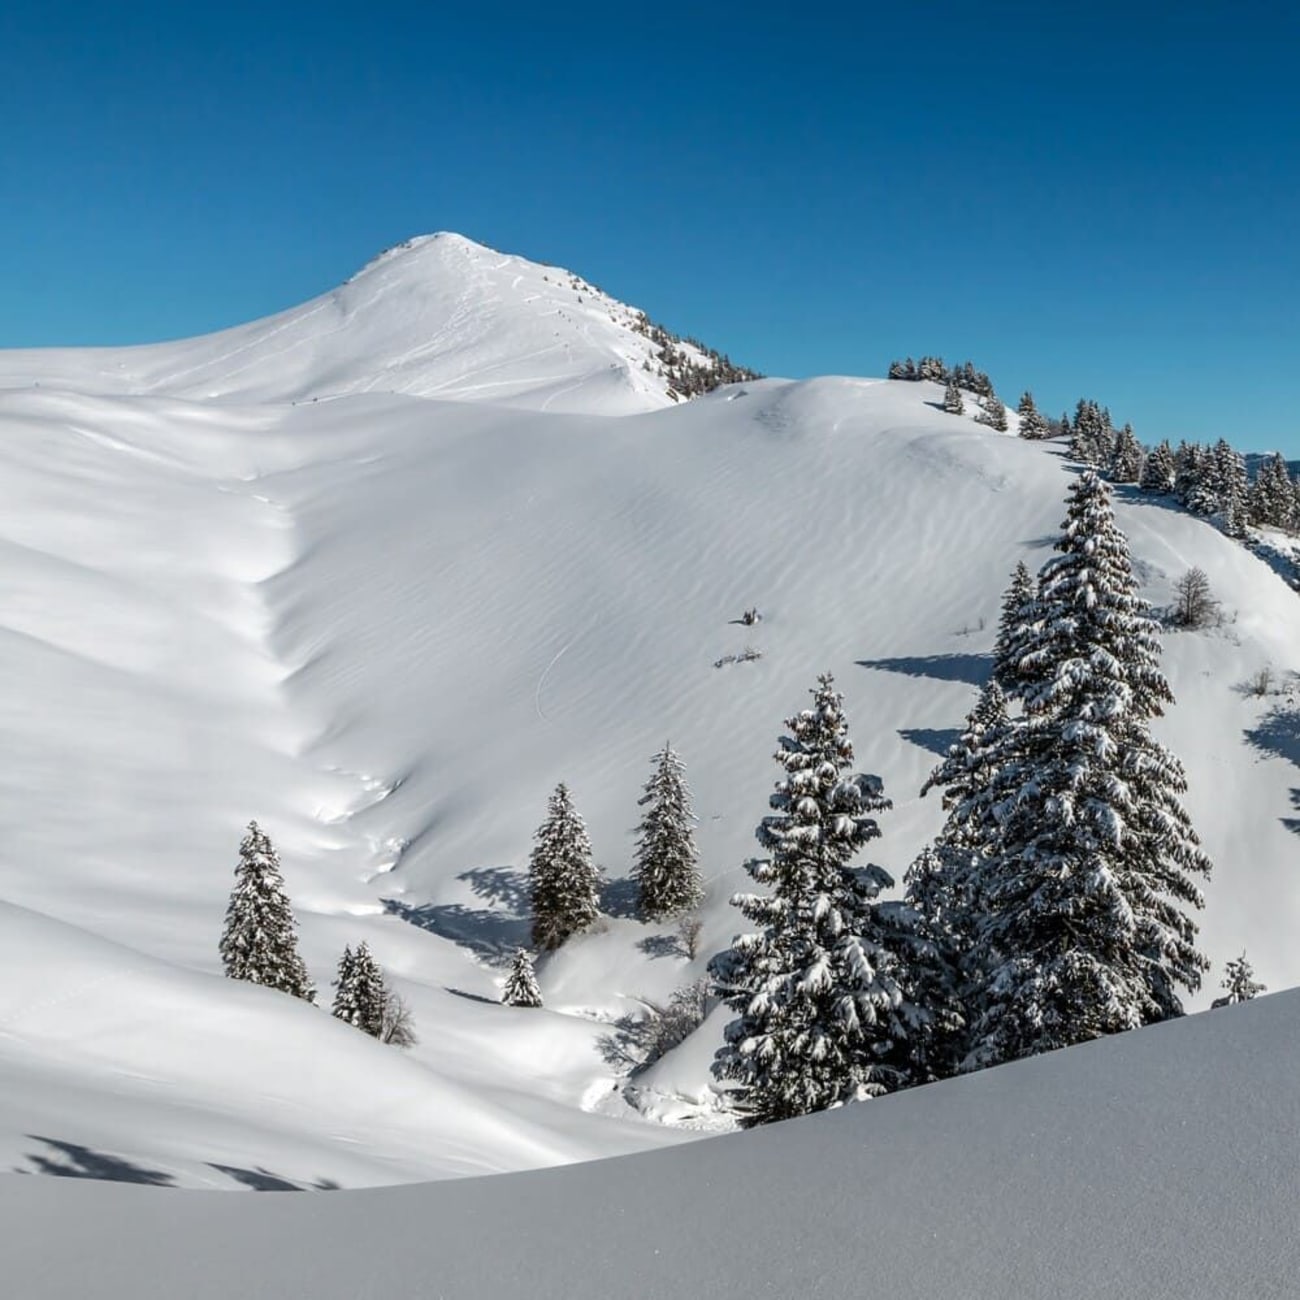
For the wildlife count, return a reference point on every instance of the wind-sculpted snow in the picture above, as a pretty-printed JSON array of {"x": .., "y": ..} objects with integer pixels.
[
  {"x": 1163, "y": 1163},
  {"x": 387, "y": 625},
  {"x": 439, "y": 316}
]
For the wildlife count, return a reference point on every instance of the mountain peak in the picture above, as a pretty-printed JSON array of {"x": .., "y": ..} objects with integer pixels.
[{"x": 438, "y": 316}]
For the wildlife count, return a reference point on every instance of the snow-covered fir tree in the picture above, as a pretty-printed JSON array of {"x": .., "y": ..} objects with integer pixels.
[
  {"x": 933, "y": 369},
  {"x": 259, "y": 943},
  {"x": 360, "y": 996},
  {"x": 1085, "y": 889},
  {"x": 1188, "y": 461},
  {"x": 1014, "y": 626},
  {"x": 952, "y": 399},
  {"x": 564, "y": 881},
  {"x": 1159, "y": 471},
  {"x": 666, "y": 866},
  {"x": 903, "y": 370},
  {"x": 993, "y": 413},
  {"x": 1032, "y": 423},
  {"x": 521, "y": 988},
  {"x": 821, "y": 1013},
  {"x": 1126, "y": 457},
  {"x": 1240, "y": 983},
  {"x": 1271, "y": 499},
  {"x": 939, "y": 888},
  {"x": 1092, "y": 438}
]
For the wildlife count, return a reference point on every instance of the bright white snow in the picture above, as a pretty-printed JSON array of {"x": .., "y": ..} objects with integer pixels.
[
  {"x": 1161, "y": 1164},
  {"x": 379, "y": 572}
]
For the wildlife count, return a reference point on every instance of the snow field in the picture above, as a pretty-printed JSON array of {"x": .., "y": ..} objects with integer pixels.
[{"x": 387, "y": 623}]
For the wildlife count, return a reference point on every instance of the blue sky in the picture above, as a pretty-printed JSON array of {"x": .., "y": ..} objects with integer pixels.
[{"x": 1095, "y": 199}]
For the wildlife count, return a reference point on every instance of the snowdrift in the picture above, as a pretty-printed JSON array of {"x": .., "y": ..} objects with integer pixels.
[{"x": 1160, "y": 1164}]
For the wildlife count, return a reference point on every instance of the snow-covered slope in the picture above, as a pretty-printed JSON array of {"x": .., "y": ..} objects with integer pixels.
[
  {"x": 385, "y": 625},
  {"x": 439, "y": 316},
  {"x": 1162, "y": 1164}
]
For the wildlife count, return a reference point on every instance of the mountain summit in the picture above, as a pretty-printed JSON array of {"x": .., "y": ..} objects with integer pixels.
[{"x": 438, "y": 316}]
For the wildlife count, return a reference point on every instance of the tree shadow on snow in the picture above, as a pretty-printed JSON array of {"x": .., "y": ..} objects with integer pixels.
[
  {"x": 76, "y": 1161},
  {"x": 489, "y": 934},
  {"x": 662, "y": 945},
  {"x": 503, "y": 887},
  {"x": 938, "y": 740},
  {"x": 260, "y": 1180},
  {"x": 975, "y": 670},
  {"x": 620, "y": 897},
  {"x": 1278, "y": 735}
]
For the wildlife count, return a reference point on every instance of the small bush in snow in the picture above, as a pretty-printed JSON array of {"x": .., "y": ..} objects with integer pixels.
[
  {"x": 1239, "y": 980},
  {"x": 1194, "y": 604}
]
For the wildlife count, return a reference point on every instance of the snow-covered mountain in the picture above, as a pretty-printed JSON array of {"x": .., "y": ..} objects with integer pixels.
[
  {"x": 379, "y": 572},
  {"x": 439, "y": 316}
]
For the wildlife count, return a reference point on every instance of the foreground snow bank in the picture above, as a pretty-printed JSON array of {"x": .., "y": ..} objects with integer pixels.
[{"x": 1163, "y": 1163}]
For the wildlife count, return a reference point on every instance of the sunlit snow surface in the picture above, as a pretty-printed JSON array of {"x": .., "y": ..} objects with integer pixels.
[{"x": 379, "y": 572}]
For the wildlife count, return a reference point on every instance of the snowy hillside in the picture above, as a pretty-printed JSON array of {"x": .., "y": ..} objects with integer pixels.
[
  {"x": 439, "y": 316},
  {"x": 386, "y": 624},
  {"x": 1161, "y": 1164}
]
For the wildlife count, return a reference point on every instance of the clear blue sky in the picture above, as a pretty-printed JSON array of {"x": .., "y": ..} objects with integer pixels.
[{"x": 1096, "y": 199}]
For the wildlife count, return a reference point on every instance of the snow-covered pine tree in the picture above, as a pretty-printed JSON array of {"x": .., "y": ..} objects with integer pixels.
[
  {"x": 360, "y": 996},
  {"x": 1271, "y": 498},
  {"x": 1239, "y": 980},
  {"x": 939, "y": 891},
  {"x": 1158, "y": 470},
  {"x": 933, "y": 369},
  {"x": 1126, "y": 458},
  {"x": 1189, "y": 462},
  {"x": 993, "y": 413},
  {"x": 1032, "y": 423},
  {"x": 666, "y": 865},
  {"x": 822, "y": 1016},
  {"x": 258, "y": 943},
  {"x": 1084, "y": 891},
  {"x": 1231, "y": 486},
  {"x": 565, "y": 882},
  {"x": 1093, "y": 438},
  {"x": 952, "y": 399},
  {"x": 344, "y": 1007},
  {"x": 1014, "y": 626},
  {"x": 521, "y": 987}
]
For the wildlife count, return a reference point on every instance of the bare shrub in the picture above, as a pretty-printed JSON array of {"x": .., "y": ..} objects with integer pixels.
[
  {"x": 1194, "y": 604},
  {"x": 668, "y": 1025},
  {"x": 398, "y": 1025},
  {"x": 688, "y": 933}
]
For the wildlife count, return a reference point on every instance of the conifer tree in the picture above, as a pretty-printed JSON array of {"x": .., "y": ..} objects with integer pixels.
[
  {"x": 952, "y": 399},
  {"x": 1032, "y": 423},
  {"x": 258, "y": 943},
  {"x": 1084, "y": 889},
  {"x": 360, "y": 996},
  {"x": 1158, "y": 470},
  {"x": 666, "y": 866},
  {"x": 1271, "y": 498},
  {"x": 521, "y": 988},
  {"x": 1013, "y": 627},
  {"x": 822, "y": 1016},
  {"x": 1239, "y": 980},
  {"x": 940, "y": 891},
  {"x": 1188, "y": 462},
  {"x": 993, "y": 414},
  {"x": 1126, "y": 458},
  {"x": 565, "y": 882}
]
